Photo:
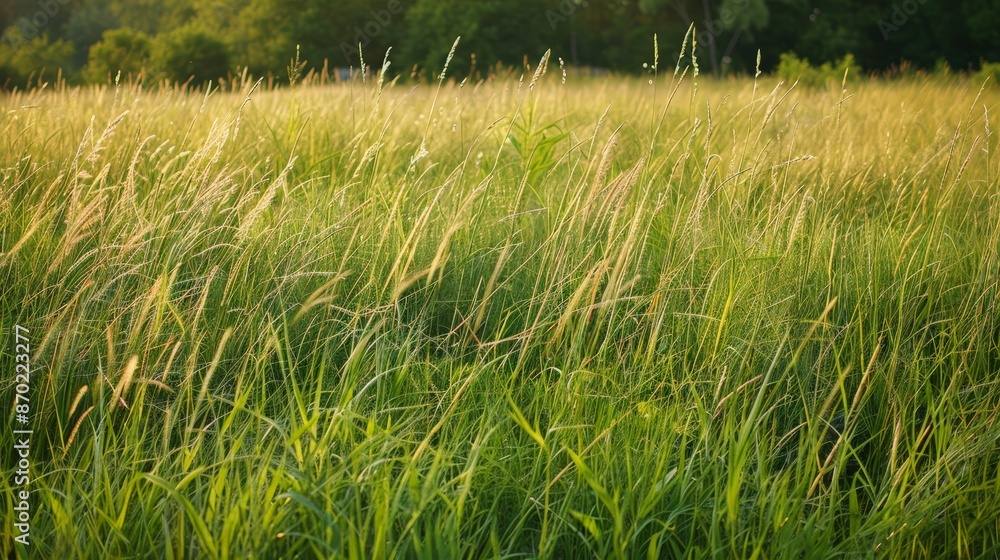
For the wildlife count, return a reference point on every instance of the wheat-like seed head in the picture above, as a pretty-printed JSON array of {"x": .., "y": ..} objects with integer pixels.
[
  {"x": 76, "y": 400},
  {"x": 125, "y": 382},
  {"x": 76, "y": 428},
  {"x": 543, "y": 64}
]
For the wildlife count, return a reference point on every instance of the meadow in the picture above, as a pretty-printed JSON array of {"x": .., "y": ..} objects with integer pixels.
[{"x": 528, "y": 317}]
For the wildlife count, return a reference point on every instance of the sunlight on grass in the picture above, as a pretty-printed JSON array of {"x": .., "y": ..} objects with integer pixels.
[{"x": 509, "y": 318}]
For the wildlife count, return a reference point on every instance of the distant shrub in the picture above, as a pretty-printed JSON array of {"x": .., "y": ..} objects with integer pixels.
[
  {"x": 6, "y": 68},
  {"x": 189, "y": 53},
  {"x": 989, "y": 70},
  {"x": 122, "y": 50},
  {"x": 942, "y": 68},
  {"x": 6, "y": 73},
  {"x": 33, "y": 60},
  {"x": 793, "y": 68}
]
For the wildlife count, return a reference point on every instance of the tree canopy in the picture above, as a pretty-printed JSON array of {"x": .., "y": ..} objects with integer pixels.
[{"x": 262, "y": 35}]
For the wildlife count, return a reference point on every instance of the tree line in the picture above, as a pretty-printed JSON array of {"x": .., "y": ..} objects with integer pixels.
[{"x": 200, "y": 40}]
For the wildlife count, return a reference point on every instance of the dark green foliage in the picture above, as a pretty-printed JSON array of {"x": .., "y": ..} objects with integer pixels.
[
  {"x": 262, "y": 35},
  {"x": 120, "y": 50},
  {"x": 793, "y": 68},
  {"x": 33, "y": 61},
  {"x": 85, "y": 27},
  {"x": 492, "y": 31},
  {"x": 990, "y": 71},
  {"x": 190, "y": 53}
]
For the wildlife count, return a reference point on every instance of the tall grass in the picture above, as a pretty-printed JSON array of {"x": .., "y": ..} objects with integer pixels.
[{"x": 514, "y": 318}]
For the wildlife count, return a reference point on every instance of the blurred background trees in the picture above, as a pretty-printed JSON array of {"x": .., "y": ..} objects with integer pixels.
[
  {"x": 178, "y": 40},
  {"x": 122, "y": 50}
]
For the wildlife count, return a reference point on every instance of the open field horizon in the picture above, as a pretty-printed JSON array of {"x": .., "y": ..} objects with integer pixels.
[{"x": 517, "y": 318}]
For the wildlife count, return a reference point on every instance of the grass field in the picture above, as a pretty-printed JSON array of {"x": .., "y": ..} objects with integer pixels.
[{"x": 600, "y": 318}]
